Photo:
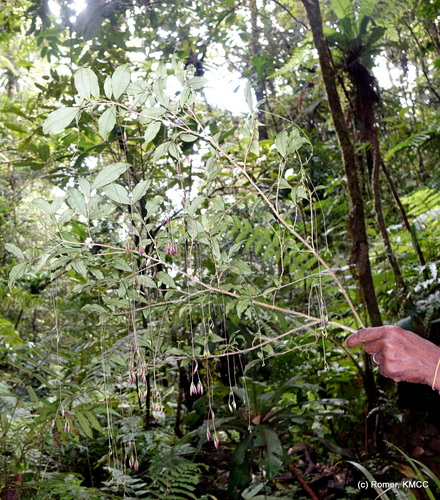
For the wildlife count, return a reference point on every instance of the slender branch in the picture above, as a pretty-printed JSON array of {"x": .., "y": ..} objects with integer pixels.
[
  {"x": 290, "y": 228},
  {"x": 286, "y": 9},
  {"x": 211, "y": 288}
]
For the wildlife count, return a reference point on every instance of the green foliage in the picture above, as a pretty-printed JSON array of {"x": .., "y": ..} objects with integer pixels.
[
  {"x": 174, "y": 476},
  {"x": 169, "y": 269},
  {"x": 419, "y": 477}
]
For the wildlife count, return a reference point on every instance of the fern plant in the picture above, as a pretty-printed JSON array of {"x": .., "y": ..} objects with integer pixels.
[{"x": 173, "y": 476}]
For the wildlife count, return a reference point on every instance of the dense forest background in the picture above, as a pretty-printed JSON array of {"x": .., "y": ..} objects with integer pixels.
[{"x": 181, "y": 263}]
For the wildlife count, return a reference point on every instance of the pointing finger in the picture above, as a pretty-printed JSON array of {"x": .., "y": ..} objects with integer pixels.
[{"x": 364, "y": 335}]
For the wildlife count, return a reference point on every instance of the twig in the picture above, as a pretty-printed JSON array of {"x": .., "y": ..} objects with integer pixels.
[{"x": 304, "y": 484}]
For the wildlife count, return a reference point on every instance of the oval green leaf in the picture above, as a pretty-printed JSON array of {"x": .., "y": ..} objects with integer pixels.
[
  {"x": 59, "y": 119},
  {"x": 110, "y": 174},
  {"x": 107, "y": 121},
  {"x": 117, "y": 193},
  {"x": 86, "y": 83},
  {"x": 152, "y": 131},
  {"x": 17, "y": 272},
  {"x": 10, "y": 247},
  {"x": 121, "y": 80},
  {"x": 139, "y": 190}
]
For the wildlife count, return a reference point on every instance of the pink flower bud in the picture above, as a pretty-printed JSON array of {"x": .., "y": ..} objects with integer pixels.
[
  {"x": 199, "y": 387},
  {"x": 208, "y": 434},
  {"x": 216, "y": 441},
  {"x": 171, "y": 248}
]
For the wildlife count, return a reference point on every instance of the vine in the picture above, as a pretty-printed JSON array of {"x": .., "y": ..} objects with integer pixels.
[{"x": 149, "y": 279}]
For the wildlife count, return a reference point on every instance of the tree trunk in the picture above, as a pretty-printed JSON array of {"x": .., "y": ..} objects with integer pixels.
[
  {"x": 359, "y": 252},
  {"x": 260, "y": 87},
  {"x": 377, "y": 162},
  {"x": 406, "y": 223}
]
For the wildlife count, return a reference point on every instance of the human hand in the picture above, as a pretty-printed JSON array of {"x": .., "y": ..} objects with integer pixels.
[{"x": 400, "y": 354}]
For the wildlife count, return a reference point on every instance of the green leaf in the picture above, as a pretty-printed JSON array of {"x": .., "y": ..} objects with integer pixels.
[
  {"x": 84, "y": 184},
  {"x": 166, "y": 279},
  {"x": 343, "y": 8},
  {"x": 197, "y": 82},
  {"x": 254, "y": 146},
  {"x": 242, "y": 305},
  {"x": 174, "y": 150},
  {"x": 76, "y": 200},
  {"x": 43, "y": 205},
  {"x": 188, "y": 137},
  {"x": 159, "y": 87},
  {"x": 139, "y": 190},
  {"x": 371, "y": 479},
  {"x": 79, "y": 267},
  {"x": 10, "y": 247},
  {"x": 366, "y": 8},
  {"x": 107, "y": 121},
  {"x": 160, "y": 151},
  {"x": 146, "y": 281},
  {"x": 117, "y": 193},
  {"x": 86, "y": 83},
  {"x": 271, "y": 465},
  {"x": 120, "y": 80},
  {"x": 121, "y": 264},
  {"x": 108, "y": 88},
  {"x": 153, "y": 204},
  {"x": 149, "y": 114},
  {"x": 287, "y": 143},
  {"x": 59, "y": 119},
  {"x": 195, "y": 204},
  {"x": 213, "y": 337},
  {"x": 281, "y": 143},
  {"x": 110, "y": 174},
  {"x": 248, "y": 96},
  {"x": 251, "y": 492},
  {"x": 14, "y": 127},
  {"x": 152, "y": 131},
  {"x": 95, "y": 308},
  {"x": 251, "y": 364},
  {"x": 44, "y": 152},
  {"x": 240, "y": 267},
  {"x": 187, "y": 97},
  {"x": 17, "y": 272},
  {"x": 84, "y": 424},
  {"x": 94, "y": 422}
]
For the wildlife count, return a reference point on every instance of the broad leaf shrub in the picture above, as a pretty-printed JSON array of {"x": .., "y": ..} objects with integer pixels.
[{"x": 194, "y": 260}]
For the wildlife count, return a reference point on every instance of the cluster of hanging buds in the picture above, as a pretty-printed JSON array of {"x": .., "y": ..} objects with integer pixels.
[
  {"x": 157, "y": 408},
  {"x": 66, "y": 423},
  {"x": 231, "y": 403},
  {"x": 131, "y": 374},
  {"x": 209, "y": 436},
  {"x": 157, "y": 411},
  {"x": 196, "y": 389},
  {"x": 171, "y": 248},
  {"x": 137, "y": 367},
  {"x": 133, "y": 463},
  {"x": 216, "y": 439}
]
